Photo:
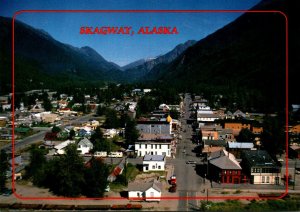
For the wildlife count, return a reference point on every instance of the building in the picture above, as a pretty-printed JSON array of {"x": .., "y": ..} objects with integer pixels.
[
  {"x": 295, "y": 129},
  {"x": 236, "y": 148},
  {"x": 84, "y": 146},
  {"x": 154, "y": 163},
  {"x": 163, "y": 126},
  {"x": 260, "y": 167},
  {"x": 60, "y": 148},
  {"x": 147, "y": 191},
  {"x": 206, "y": 117},
  {"x": 153, "y": 144},
  {"x": 224, "y": 168}
]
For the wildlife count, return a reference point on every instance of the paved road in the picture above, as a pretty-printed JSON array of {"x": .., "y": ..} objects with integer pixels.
[
  {"x": 21, "y": 144},
  {"x": 189, "y": 183}
]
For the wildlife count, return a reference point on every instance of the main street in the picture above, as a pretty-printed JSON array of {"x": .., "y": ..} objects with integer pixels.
[{"x": 189, "y": 183}]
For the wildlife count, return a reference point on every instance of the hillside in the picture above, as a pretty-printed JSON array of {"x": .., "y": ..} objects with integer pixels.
[
  {"x": 42, "y": 60},
  {"x": 246, "y": 58},
  {"x": 140, "y": 68}
]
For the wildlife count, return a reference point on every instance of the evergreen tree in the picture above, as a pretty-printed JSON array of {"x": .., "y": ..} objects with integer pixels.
[
  {"x": 245, "y": 136},
  {"x": 4, "y": 167},
  {"x": 131, "y": 133},
  {"x": 112, "y": 120},
  {"x": 71, "y": 134},
  {"x": 65, "y": 175},
  {"x": 55, "y": 129},
  {"x": 95, "y": 178},
  {"x": 36, "y": 167}
]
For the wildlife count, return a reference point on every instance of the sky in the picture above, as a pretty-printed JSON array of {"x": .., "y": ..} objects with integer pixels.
[{"x": 123, "y": 49}]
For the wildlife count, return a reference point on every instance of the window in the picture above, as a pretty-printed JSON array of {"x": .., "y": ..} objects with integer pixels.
[
  {"x": 153, "y": 167},
  {"x": 268, "y": 180},
  {"x": 159, "y": 167},
  {"x": 160, "y": 146},
  {"x": 263, "y": 179},
  {"x": 140, "y": 146},
  {"x": 145, "y": 146},
  {"x": 151, "y": 194}
]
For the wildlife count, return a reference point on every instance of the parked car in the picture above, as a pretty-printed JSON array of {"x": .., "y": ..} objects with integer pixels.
[{"x": 173, "y": 188}]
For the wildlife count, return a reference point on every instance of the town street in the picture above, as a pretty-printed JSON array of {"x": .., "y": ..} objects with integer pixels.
[
  {"x": 189, "y": 183},
  {"x": 24, "y": 143}
]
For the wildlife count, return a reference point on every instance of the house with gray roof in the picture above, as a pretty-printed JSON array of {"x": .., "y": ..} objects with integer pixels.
[
  {"x": 154, "y": 163},
  {"x": 147, "y": 191},
  {"x": 84, "y": 146}
]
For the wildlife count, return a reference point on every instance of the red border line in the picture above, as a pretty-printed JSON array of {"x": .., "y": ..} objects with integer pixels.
[{"x": 147, "y": 11}]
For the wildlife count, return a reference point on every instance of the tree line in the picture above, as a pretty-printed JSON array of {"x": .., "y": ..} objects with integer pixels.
[{"x": 67, "y": 175}]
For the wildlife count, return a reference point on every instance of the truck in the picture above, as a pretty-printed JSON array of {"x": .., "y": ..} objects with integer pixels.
[{"x": 172, "y": 180}]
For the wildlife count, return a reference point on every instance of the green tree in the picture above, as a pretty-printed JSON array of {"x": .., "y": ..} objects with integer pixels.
[
  {"x": 46, "y": 102},
  {"x": 111, "y": 120},
  {"x": 245, "y": 135},
  {"x": 55, "y": 129},
  {"x": 36, "y": 167},
  {"x": 131, "y": 133},
  {"x": 146, "y": 104},
  {"x": 174, "y": 114},
  {"x": 71, "y": 134},
  {"x": 95, "y": 178},
  {"x": 99, "y": 142},
  {"x": 65, "y": 175},
  {"x": 4, "y": 167},
  {"x": 273, "y": 139},
  {"x": 100, "y": 110}
]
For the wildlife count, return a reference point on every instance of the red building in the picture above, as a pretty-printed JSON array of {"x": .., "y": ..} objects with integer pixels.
[{"x": 223, "y": 168}]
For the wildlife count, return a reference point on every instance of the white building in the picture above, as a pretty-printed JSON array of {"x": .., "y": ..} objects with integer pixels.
[
  {"x": 206, "y": 117},
  {"x": 149, "y": 191},
  {"x": 84, "y": 146},
  {"x": 60, "y": 148},
  {"x": 152, "y": 144},
  {"x": 154, "y": 163}
]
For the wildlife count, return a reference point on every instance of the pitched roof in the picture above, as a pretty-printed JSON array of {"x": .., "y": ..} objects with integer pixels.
[
  {"x": 86, "y": 142},
  {"x": 223, "y": 160},
  {"x": 227, "y": 161},
  {"x": 154, "y": 158},
  {"x": 135, "y": 186}
]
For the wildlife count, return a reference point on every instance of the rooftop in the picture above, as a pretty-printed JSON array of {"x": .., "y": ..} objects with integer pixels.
[
  {"x": 258, "y": 158},
  {"x": 154, "y": 158},
  {"x": 134, "y": 186}
]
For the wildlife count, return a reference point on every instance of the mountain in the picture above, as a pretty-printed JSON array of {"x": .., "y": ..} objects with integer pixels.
[
  {"x": 246, "y": 56},
  {"x": 140, "y": 68},
  {"x": 44, "y": 60}
]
